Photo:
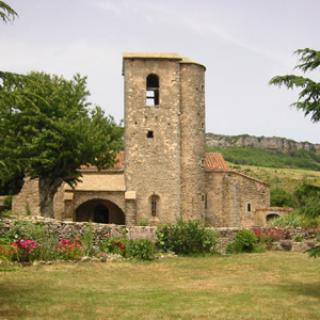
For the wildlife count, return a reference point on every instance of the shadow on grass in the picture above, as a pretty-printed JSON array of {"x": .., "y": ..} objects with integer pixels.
[
  {"x": 16, "y": 298},
  {"x": 302, "y": 289}
]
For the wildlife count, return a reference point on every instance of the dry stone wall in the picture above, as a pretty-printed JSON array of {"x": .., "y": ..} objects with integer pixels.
[{"x": 292, "y": 239}]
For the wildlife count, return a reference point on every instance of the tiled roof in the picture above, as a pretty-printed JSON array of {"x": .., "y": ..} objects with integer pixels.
[
  {"x": 119, "y": 165},
  {"x": 214, "y": 160}
]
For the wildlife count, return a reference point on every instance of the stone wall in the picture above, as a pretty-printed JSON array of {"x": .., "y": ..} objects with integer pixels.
[
  {"x": 153, "y": 164},
  {"x": 27, "y": 202},
  {"x": 292, "y": 239},
  {"x": 192, "y": 126},
  {"x": 233, "y": 198}
]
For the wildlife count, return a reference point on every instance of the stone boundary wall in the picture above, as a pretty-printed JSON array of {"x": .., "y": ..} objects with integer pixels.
[{"x": 293, "y": 239}]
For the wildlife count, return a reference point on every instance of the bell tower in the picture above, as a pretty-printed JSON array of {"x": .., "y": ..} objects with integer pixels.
[{"x": 164, "y": 137}]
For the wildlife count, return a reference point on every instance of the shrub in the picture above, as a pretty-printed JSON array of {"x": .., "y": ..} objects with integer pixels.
[
  {"x": 245, "y": 241},
  {"x": 6, "y": 252},
  {"x": 281, "y": 198},
  {"x": 141, "y": 249},
  {"x": 69, "y": 249},
  {"x": 7, "y": 202},
  {"x": 113, "y": 245},
  {"x": 26, "y": 230},
  {"x": 314, "y": 252},
  {"x": 296, "y": 219},
  {"x": 186, "y": 238},
  {"x": 25, "y": 250},
  {"x": 307, "y": 198},
  {"x": 267, "y": 236},
  {"x": 87, "y": 240}
]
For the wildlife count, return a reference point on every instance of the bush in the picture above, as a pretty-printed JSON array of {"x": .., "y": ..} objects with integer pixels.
[
  {"x": 245, "y": 241},
  {"x": 140, "y": 249},
  {"x": 25, "y": 250},
  {"x": 87, "y": 240},
  {"x": 186, "y": 238},
  {"x": 69, "y": 249},
  {"x": 113, "y": 245},
  {"x": 296, "y": 219},
  {"x": 26, "y": 230},
  {"x": 7, "y": 202},
  {"x": 267, "y": 236},
  {"x": 307, "y": 199},
  {"x": 281, "y": 198}
]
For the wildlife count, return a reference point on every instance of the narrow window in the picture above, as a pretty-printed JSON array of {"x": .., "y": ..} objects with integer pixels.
[
  {"x": 154, "y": 205},
  {"x": 150, "y": 134},
  {"x": 152, "y": 90},
  {"x": 249, "y": 207}
]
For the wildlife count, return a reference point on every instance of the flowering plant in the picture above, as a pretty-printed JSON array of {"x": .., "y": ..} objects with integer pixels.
[
  {"x": 70, "y": 249},
  {"x": 113, "y": 245},
  {"x": 269, "y": 235},
  {"x": 6, "y": 251},
  {"x": 25, "y": 250}
]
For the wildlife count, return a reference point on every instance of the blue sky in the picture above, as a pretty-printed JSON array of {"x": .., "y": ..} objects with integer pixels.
[{"x": 243, "y": 43}]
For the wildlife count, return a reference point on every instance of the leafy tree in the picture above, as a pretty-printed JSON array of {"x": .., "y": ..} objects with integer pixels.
[
  {"x": 309, "y": 96},
  {"x": 309, "y": 102},
  {"x": 307, "y": 199},
  {"x": 48, "y": 130},
  {"x": 281, "y": 198},
  {"x": 6, "y": 12}
]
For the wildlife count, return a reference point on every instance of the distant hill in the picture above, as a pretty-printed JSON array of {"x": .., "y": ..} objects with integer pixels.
[
  {"x": 266, "y": 152},
  {"x": 267, "y": 143}
]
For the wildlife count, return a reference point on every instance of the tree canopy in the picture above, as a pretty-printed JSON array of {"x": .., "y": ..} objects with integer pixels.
[
  {"x": 309, "y": 102},
  {"x": 6, "y": 12},
  {"x": 309, "y": 96},
  {"x": 48, "y": 129}
]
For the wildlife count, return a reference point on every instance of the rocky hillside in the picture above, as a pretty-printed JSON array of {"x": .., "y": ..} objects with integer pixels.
[{"x": 267, "y": 143}]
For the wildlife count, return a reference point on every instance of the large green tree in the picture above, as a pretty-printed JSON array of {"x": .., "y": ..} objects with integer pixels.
[
  {"x": 6, "y": 12},
  {"x": 48, "y": 129},
  {"x": 309, "y": 95}
]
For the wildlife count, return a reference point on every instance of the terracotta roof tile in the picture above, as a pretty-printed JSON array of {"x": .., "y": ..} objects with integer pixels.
[
  {"x": 119, "y": 165},
  {"x": 214, "y": 160}
]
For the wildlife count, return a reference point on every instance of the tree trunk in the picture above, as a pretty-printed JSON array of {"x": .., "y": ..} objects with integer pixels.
[{"x": 47, "y": 190}]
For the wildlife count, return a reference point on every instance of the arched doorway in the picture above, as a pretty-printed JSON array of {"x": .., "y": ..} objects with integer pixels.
[
  {"x": 100, "y": 211},
  {"x": 271, "y": 216}
]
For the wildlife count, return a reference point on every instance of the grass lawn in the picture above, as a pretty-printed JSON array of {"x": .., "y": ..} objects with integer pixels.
[
  {"x": 272, "y": 285},
  {"x": 285, "y": 178}
]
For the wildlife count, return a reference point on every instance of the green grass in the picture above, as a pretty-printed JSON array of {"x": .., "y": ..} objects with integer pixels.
[
  {"x": 300, "y": 159},
  {"x": 285, "y": 178},
  {"x": 272, "y": 285}
]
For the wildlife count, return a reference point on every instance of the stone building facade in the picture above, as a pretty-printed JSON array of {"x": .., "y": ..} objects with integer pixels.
[{"x": 164, "y": 173}]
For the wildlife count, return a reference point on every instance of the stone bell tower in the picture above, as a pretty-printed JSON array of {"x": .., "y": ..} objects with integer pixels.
[{"x": 164, "y": 137}]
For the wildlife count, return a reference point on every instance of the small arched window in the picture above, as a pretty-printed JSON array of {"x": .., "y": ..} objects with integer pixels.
[
  {"x": 154, "y": 202},
  {"x": 152, "y": 90}
]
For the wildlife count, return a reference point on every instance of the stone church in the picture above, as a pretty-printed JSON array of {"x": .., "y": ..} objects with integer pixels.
[{"x": 164, "y": 173}]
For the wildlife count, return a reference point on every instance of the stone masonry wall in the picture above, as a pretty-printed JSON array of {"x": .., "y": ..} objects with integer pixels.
[
  {"x": 293, "y": 239},
  {"x": 228, "y": 197},
  {"x": 27, "y": 202},
  {"x": 192, "y": 126},
  {"x": 153, "y": 164}
]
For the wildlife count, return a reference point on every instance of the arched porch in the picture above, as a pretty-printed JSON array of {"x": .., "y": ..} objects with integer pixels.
[{"x": 100, "y": 211}]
